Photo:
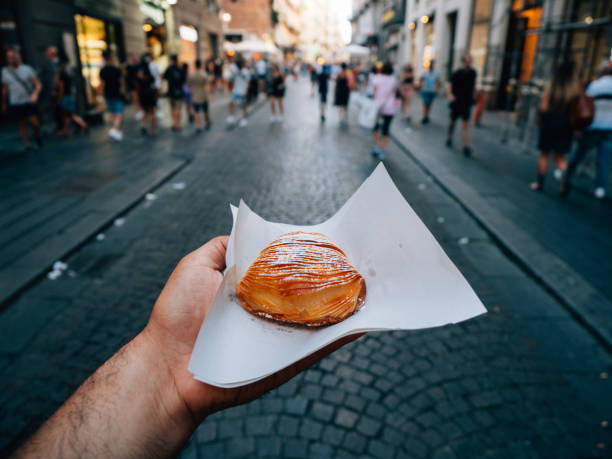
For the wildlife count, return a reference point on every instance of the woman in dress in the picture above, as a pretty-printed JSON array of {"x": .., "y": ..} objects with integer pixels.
[
  {"x": 341, "y": 96},
  {"x": 384, "y": 94},
  {"x": 147, "y": 95},
  {"x": 276, "y": 92},
  {"x": 407, "y": 90},
  {"x": 556, "y": 133}
]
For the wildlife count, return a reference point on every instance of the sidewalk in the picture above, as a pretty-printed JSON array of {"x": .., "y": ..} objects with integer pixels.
[
  {"x": 565, "y": 244},
  {"x": 57, "y": 198}
]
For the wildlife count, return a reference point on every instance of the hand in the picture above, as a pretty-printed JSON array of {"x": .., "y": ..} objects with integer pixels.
[
  {"x": 175, "y": 323},
  {"x": 451, "y": 97},
  {"x": 33, "y": 98}
]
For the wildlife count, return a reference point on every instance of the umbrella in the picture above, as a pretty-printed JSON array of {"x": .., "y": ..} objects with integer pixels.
[
  {"x": 355, "y": 50},
  {"x": 255, "y": 46}
]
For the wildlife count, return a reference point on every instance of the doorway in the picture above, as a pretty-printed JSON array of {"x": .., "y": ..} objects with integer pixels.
[{"x": 451, "y": 21}]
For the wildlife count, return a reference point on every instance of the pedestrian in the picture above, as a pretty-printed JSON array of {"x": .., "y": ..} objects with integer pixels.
[
  {"x": 598, "y": 134},
  {"x": 342, "y": 93},
  {"x": 131, "y": 84},
  {"x": 218, "y": 71},
  {"x": 429, "y": 86},
  {"x": 374, "y": 72},
  {"x": 239, "y": 80},
  {"x": 323, "y": 82},
  {"x": 313, "y": 79},
  {"x": 276, "y": 92},
  {"x": 21, "y": 88},
  {"x": 48, "y": 98},
  {"x": 261, "y": 68},
  {"x": 111, "y": 78},
  {"x": 461, "y": 97},
  {"x": 175, "y": 77},
  {"x": 556, "y": 133},
  {"x": 253, "y": 86},
  {"x": 147, "y": 95},
  {"x": 200, "y": 83},
  {"x": 64, "y": 82},
  {"x": 384, "y": 93},
  {"x": 187, "y": 94},
  {"x": 407, "y": 90}
]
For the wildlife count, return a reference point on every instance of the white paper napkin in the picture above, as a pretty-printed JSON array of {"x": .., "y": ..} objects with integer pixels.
[{"x": 411, "y": 284}]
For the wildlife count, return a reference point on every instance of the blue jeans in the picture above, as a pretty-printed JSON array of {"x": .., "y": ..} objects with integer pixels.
[{"x": 591, "y": 139}]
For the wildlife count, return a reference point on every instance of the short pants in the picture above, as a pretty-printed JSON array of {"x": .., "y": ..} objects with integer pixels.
[
  {"x": 461, "y": 110},
  {"x": 176, "y": 102},
  {"x": 428, "y": 97},
  {"x": 384, "y": 125},
  {"x": 115, "y": 106},
  {"x": 22, "y": 111},
  {"x": 68, "y": 104},
  {"x": 203, "y": 107},
  {"x": 239, "y": 98}
]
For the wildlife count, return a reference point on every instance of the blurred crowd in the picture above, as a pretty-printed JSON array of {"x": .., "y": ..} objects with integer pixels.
[{"x": 569, "y": 110}]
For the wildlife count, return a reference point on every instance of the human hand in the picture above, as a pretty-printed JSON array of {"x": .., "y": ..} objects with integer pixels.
[
  {"x": 33, "y": 98},
  {"x": 451, "y": 97},
  {"x": 175, "y": 323}
]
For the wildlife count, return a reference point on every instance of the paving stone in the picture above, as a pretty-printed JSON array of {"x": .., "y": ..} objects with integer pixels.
[
  {"x": 287, "y": 426},
  {"x": 240, "y": 447},
  {"x": 333, "y": 435},
  {"x": 322, "y": 412},
  {"x": 346, "y": 418},
  {"x": 260, "y": 425},
  {"x": 295, "y": 448},
  {"x": 321, "y": 450},
  {"x": 381, "y": 450},
  {"x": 207, "y": 432},
  {"x": 354, "y": 442},
  {"x": 296, "y": 405},
  {"x": 269, "y": 446},
  {"x": 355, "y": 402},
  {"x": 368, "y": 426}
]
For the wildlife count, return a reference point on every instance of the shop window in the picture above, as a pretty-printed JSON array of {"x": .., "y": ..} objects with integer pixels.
[{"x": 94, "y": 36}]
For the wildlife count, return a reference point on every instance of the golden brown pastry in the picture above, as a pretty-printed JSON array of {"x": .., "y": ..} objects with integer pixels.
[{"x": 302, "y": 278}]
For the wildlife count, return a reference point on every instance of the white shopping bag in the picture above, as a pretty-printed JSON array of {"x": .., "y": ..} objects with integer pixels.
[{"x": 368, "y": 113}]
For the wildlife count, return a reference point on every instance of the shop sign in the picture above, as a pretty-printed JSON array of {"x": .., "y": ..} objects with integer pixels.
[
  {"x": 153, "y": 12},
  {"x": 188, "y": 33},
  {"x": 104, "y": 8}
]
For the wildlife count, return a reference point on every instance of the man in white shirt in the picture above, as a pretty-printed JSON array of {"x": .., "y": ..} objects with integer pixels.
[
  {"x": 21, "y": 87},
  {"x": 598, "y": 134},
  {"x": 239, "y": 77}
]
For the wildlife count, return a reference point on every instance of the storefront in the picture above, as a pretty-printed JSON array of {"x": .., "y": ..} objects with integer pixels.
[
  {"x": 189, "y": 44},
  {"x": 156, "y": 30},
  {"x": 480, "y": 34},
  {"x": 95, "y": 36}
]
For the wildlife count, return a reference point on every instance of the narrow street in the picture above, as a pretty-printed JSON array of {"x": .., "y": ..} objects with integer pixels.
[{"x": 526, "y": 379}]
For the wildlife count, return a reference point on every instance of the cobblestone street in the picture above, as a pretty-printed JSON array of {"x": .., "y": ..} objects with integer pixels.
[{"x": 524, "y": 380}]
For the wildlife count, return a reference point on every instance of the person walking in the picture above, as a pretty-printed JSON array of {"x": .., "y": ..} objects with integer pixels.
[
  {"x": 276, "y": 92},
  {"x": 187, "y": 95},
  {"x": 461, "y": 97},
  {"x": 21, "y": 88},
  {"x": 384, "y": 93},
  {"x": 48, "y": 98},
  {"x": 407, "y": 90},
  {"x": 429, "y": 86},
  {"x": 131, "y": 84},
  {"x": 323, "y": 82},
  {"x": 175, "y": 77},
  {"x": 111, "y": 77},
  {"x": 372, "y": 75},
  {"x": 67, "y": 102},
  {"x": 597, "y": 135},
  {"x": 147, "y": 96},
  {"x": 342, "y": 93},
  {"x": 556, "y": 133},
  {"x": 199, "y": 83},
  {"x": 239, "y": 80}
]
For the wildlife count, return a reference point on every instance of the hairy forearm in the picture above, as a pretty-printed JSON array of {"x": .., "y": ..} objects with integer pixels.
[{"x": 128, "y": 408}]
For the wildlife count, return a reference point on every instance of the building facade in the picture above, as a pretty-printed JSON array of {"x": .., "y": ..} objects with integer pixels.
[{"x": 248, "y": 19}]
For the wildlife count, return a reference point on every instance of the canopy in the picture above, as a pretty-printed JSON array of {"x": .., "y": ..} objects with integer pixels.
[
  {"x": 254, "y": 46},
  {"x": 354, "y": 50}
]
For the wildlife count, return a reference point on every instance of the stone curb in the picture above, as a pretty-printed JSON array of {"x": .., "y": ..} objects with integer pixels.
[{"x": 586, "y": 304}]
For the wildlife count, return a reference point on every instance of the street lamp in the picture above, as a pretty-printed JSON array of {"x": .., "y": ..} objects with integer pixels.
[{"x": 424, "y": 19}]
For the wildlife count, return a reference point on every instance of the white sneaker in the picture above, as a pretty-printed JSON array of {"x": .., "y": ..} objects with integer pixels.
[
  {"x": 115, "y": 134},
  {"x": 243, "y": 122},
  {"x": 138, "y": 116},
  {"x": 273, "y": 119},
  {"x": 230, "y": 120},
  {"x": 558, "y": 174},
  {"x": 600, "y": 192}
]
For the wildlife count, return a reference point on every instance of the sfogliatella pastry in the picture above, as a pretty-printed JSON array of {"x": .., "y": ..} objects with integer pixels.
[{"x": 302, "y": 278}]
